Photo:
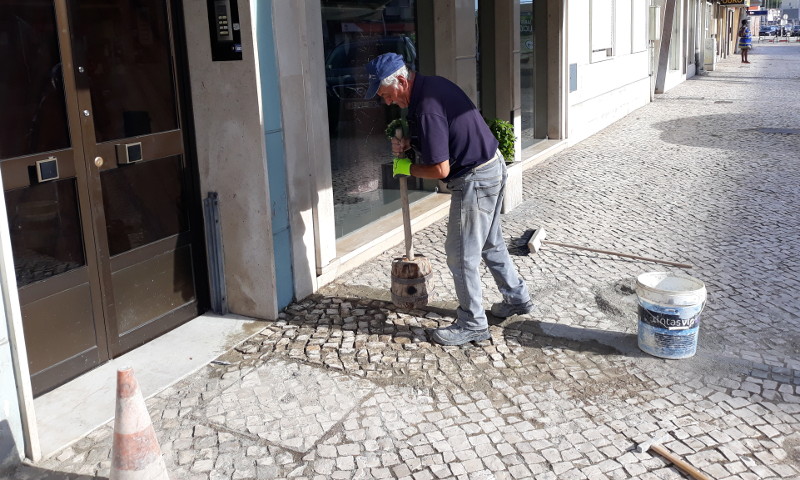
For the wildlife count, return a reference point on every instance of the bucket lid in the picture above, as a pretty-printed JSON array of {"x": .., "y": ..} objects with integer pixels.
[{"x": 670, "y": 289}]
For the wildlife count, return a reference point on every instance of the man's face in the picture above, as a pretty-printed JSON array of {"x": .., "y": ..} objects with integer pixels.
[{"x": 398, "y": 94}]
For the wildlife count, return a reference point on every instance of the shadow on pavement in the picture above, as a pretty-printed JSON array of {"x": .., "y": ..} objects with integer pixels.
[
  {"x": 603, "y": 342},
  {"x": 26, "y": 471},
  {"x": 29, "y": 472},
  {"x": 576, "y": 338},
  {"x": 720, "y": 131},
  {"x": 546, "y": 334},
  {"x": 518, "y": 246},
  {"x": 617, "y": 301}
]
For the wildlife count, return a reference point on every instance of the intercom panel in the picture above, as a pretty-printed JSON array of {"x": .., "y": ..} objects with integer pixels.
[{"x": 223, "y": 22}]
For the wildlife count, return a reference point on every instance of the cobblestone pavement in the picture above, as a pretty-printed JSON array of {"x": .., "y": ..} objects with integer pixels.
[{"x": 344, "y": 385}]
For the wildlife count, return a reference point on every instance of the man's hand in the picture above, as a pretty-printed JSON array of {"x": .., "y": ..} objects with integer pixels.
[
  {"x": 401, "y": 166},
  {"x": 400, "y": 145}
]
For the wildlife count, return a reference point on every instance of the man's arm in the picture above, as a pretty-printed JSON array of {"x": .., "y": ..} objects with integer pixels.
[{"x": 436, "y": 171}]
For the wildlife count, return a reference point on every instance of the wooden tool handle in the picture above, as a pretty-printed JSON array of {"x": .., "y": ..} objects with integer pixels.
[
  {"x": 404, "y": 204},
  {"x": 683, "y": 466},
  {"x": 406, "y": 216},
  {"x": 608, "y": 252}
]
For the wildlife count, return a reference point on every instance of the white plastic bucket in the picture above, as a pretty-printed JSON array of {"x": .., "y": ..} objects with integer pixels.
[{"x": 669, "y": 313}]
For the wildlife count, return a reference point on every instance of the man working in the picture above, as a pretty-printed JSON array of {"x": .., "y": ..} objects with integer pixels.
[{"x": 454, "y": 144}]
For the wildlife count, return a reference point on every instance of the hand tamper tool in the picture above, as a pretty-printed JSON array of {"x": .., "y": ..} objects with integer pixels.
[
  {"x": 537, "y": 239},
  {"x": 654, "y": 444},
  {"x": 410, "y": 273}
]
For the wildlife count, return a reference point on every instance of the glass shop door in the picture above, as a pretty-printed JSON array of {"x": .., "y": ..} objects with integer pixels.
[{"x": 96, "y": 182}]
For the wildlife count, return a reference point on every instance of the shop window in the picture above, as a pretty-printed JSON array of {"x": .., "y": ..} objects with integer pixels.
[
  {"x": 692, "y": 20},
  {"x": 602, "y": 29},
  {"x": 34, "y": 112},
  {"x": 639, "y": 19},
  {"x": 527, "y": 61},
  {"x": 45, "y": 230},
  {"x": 355, "y": 32},
  {"x": 478, "y": 55},
  {"x": 675, "y": 44},
  {"x": 532, "y": 74}
]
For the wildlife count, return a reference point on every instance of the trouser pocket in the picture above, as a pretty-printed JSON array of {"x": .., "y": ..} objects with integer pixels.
[{"x": 487, "y": 195}]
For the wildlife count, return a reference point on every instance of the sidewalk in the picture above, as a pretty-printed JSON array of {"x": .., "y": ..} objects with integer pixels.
[{"x": 344, "y": 385}]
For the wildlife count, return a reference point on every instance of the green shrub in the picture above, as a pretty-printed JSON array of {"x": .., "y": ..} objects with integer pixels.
[
  {"x": 503, "y": 131},
  {"x": 394, "y": 125}
]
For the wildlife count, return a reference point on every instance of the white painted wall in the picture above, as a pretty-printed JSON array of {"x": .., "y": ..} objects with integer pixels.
[
  {"x": 231, "y": 156},
  {"x": 607, "y": 89},
  {"x": 676, "y": 76}
]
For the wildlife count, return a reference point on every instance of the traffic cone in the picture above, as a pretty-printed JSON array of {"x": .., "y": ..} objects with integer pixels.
[{"x": 135, "y": 453}]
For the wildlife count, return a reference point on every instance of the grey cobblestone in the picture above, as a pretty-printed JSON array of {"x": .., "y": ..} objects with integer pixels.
[{"x": 344, "y": 385}]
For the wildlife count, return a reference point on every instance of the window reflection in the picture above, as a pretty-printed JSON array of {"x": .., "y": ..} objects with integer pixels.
[
  {"x": 354, "y": 32},
  {"x": 130, "y": 76},
  {"x": 527, "y": 77},
  {"x": 143, "y": 203},
  {"x": 45, "y": 230},
  {"x": 478, "y": 55},
  {"x": 33, "y": 115}
]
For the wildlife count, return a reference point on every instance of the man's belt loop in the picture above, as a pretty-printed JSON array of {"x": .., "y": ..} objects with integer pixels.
[{"x": 496, "y": 155}]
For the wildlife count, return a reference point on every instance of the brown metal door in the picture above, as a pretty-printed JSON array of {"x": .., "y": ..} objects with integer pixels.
[
  {"x": 104, "y": 253},
  {"x": 128, "y": 99}
]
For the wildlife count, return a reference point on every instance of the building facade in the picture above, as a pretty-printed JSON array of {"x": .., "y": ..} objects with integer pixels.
[{"x": 162, "y": 158}]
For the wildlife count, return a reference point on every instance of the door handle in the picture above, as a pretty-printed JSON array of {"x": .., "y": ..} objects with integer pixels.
[{"x": 98, "y": 161}]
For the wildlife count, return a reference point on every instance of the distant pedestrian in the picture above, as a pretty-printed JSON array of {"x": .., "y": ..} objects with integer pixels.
[{"x": 745, "y": 40}]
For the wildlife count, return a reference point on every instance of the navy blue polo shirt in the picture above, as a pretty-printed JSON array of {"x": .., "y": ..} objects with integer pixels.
[{"x": 445, "y": 126}]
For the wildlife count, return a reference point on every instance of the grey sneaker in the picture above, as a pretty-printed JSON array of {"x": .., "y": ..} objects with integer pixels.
[
  {"x": 455, "y": 335},
  {"x": 505, "y": 310}
]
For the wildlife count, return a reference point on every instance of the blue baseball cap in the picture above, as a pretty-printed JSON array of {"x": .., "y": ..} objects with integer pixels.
[{"x": 381, "y": 67}]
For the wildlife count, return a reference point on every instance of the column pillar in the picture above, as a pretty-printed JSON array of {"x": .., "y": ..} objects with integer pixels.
[{"x": 455, "y": 44}]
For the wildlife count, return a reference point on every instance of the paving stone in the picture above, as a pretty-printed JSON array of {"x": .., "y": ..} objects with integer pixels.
[{"x": 345, "y": 385}]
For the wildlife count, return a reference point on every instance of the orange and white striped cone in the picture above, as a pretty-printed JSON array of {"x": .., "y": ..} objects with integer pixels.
[{"x": 135, "y": 453}]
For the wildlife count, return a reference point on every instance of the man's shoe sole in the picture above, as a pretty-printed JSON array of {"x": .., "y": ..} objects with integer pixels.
[
  {"x": 477, "y": 337},
  {"x": 521, "y": 311}
]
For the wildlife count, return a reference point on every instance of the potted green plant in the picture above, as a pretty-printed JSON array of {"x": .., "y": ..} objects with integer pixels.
[
  {"x": 503, "y": 131},
  {"x": 392, "y": 127}
]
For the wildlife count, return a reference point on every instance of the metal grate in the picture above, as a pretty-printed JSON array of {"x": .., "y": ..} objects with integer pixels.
[{"x": 216, "y": 265}]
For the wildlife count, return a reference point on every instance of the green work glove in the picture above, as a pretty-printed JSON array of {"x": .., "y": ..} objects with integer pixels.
[{"x": 401, "y": 166}]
